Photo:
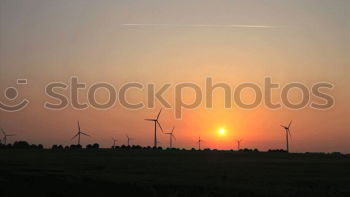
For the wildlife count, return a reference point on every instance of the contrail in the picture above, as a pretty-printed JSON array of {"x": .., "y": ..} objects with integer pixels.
[{"x": 196, "y": 25}]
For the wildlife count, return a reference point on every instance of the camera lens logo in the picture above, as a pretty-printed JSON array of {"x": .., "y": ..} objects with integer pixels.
[{"x": 11, "y": 93}]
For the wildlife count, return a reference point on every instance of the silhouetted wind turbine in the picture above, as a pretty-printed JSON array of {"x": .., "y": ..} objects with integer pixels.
[
  {"x": 114, "y": 142},
  {"x": 4, "y": 139},
  {"x": 80, "y": 133},
  {"x": 199, "y": 143},
  {"x": 156, "y": 122},
  {"x": 129, "y": 139},
  {"x": 239, "y": 144},
  {"x": 287, "y": 134},
  {"x": 171, "y": 136}
]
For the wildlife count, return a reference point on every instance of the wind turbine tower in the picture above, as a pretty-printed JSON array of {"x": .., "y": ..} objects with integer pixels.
[
  {"x": 79, "y": 133},
  {"x": 4, "y": 139},
  {"x": 114, "y": 142},
  {"x": 129, "y": 139},
  {"x": 171, "y": 136},
  {"x": 286, "y": 128},
  {"x": 239, "y": 144},
  {"x": 156, "y": 122},
  {"x": 199, "y": 143}
]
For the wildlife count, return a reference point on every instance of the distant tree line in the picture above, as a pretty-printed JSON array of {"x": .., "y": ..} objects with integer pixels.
[
  {"x": 96, "y": 146},
  {"x": 26, "y": 145},
  {"x": 21, "y": 145},
  {"x": 277, "y": 151},
  {"x": 249, "y": 150}
]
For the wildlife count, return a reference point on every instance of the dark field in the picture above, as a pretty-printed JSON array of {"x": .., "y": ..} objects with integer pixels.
[{"x": 171, "y": 173}]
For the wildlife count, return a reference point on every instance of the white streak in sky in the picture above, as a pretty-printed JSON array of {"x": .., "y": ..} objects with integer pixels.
[{"x": 197, "y": 25}]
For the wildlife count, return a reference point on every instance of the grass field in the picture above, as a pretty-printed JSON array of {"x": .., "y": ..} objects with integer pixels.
[{"x": 171, "y": 173}]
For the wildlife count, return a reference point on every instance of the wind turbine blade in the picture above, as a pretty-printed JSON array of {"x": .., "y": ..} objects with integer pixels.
[
  {"x": 283, "y": 126},
  {"x": 290, "y": 124},
  {"x": 160, "y": 126},
  {"x": 78, "y": 126},
  {"x": 172, "y": 131},
  {"x": 159, "y": 113},
  {"x": 150, "y": 119},
  {"x": 85, "y": 134},
  {"x": 3, "y": 132},
  {"x": 75, "y": 136},
  {"x": 173, "y": 137}
]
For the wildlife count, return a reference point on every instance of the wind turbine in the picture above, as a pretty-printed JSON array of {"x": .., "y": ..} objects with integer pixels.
[
  {"x": 79, "y": 133},
  {"x": 199, "y": 143},
  {"x": 129, "y": 139},
  {"x": 287, "y": 134},
  {"x": 5, "y": 136},
  {"x": 171, "y": 136},
  {"x": 114, "y": 142},
  {"x": 156, "y": 122},
  {"x": 238, "y": 144}
]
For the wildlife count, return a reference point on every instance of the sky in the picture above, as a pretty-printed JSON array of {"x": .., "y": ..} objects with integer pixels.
[{"x": 163, "y": 42}]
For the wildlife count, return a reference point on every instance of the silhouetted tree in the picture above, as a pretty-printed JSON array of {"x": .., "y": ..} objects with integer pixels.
[
  {"x": 33, "y": 146},
  {"x": 96, "y": 146},
  {"x": 21, "y": 144},
  {"x": 56, "y": 147},
  {"x": 93, "y": 146},
  {"x": 277, "y": 150},
  {"x": 73, "y": 146},
  {"x": 336, "y": 153}
]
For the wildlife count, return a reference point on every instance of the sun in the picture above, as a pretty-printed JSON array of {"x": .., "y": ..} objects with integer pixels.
[{"x": 222, "y": 131}]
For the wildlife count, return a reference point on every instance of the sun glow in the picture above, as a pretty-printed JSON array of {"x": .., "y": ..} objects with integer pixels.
[{"x": 221, "y": 131}]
